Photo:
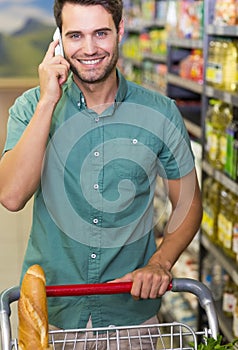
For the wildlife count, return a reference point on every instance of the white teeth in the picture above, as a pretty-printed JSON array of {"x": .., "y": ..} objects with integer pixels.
[{"x": 90, "y": 62}]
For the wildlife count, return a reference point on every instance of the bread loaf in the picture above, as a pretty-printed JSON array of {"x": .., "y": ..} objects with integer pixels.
[{"x": 32, "y": 311}]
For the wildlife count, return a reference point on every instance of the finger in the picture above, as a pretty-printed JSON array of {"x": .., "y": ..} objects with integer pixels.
[
  {"x": 136, "y": 289},
  {"x": 125, "y": 278},
  {"x": 155, "y": 287},
  {"x": 144, "y": 280},
  {"x": 51, "y": 50},
  {"x": 62, "y": 74},
  {"x": 164, "y": 285}
]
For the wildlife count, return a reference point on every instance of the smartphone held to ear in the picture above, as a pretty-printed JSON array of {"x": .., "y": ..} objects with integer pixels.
[{"x": 59, "y": 48}]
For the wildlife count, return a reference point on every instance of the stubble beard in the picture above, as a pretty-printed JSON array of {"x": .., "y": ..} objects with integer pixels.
[{"x": 93, "y": 77}]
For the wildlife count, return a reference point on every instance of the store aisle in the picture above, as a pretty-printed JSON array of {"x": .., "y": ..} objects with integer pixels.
[
  {"x": 14, "y": 228},
  {"x": 14, "y": 231}
]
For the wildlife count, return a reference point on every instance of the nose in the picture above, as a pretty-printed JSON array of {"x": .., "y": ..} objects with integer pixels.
[{"x": 89, "y": 46}]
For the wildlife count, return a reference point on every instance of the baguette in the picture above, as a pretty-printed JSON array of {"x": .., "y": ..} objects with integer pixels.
[{"x": 32, "y": 311}]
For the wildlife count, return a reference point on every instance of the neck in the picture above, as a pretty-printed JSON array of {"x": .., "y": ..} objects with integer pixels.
[{"x": 99, "y": 96}]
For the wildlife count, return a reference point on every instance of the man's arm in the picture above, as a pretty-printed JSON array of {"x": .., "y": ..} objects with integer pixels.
[
  {"x": 152, "y": 280},
  {"x": 20, "y": 168}
]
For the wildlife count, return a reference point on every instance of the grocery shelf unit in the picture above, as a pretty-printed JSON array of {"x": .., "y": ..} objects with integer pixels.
[
  {"x": 187, "y": 93},
  {"x": 206, "y": 245},
  {"x": 185, "y": 90}
]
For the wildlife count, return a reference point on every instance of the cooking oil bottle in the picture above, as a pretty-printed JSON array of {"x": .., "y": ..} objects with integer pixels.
[
  {"x": 212, "y": 134},
  {"x": 235, "y": 318},
  {"x": 207, "y": 210},
  {"x": 229, "y": 299},
  {"x": 235, "y": 160},
  {"x": 211, "y": 195},
  {"x": 235, "y": 231},
  {"x": 214, "y": 64},
  {"x": 231, "y": 136},
  {"x": 229, "y": 222},
  {"x": 223, "y": 218},
  {"x": 227, "y": 115},
  {"x": 208, "y": 128},
  {"x": 220, "y": 117},
  {"x": 229, "y": 56}
]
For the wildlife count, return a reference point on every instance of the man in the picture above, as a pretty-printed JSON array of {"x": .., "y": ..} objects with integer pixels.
[{"x": 89, "y": 145}]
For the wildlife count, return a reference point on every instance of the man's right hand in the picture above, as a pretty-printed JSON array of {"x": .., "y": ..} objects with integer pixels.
[{"x": 53, "y": 73}]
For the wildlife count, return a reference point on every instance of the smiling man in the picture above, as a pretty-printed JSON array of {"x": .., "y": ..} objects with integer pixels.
[
  {"x": 92, "y": 51},
  {"x": 89, "y": 145}
]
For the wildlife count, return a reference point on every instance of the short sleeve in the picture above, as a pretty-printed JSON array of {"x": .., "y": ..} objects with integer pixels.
[
  {"x": 176, "y": 158},
  {"x": 20, "y": 115}
]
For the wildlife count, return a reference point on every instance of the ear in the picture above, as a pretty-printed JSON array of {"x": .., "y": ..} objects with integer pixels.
[{"x": 121, "y": 30}]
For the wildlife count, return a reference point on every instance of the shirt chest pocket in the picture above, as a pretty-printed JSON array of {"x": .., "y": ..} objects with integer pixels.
[{"x": 134, "y": 158}]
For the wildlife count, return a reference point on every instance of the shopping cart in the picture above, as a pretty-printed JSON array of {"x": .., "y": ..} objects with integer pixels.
[{"x": 164, "y": 336}]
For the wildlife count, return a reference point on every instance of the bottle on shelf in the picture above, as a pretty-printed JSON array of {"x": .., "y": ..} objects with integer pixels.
[
  {"x": 213, "y": 70},
  {"x": 229, "y": 222},
  {"x": 235, "y": 318},
  {"x": 235, "y": 231},
  {"x": 235, "y": 159},
  {"x": 207, "y": 270},
  {"x": 211, "y": 202},
  {"x": 229, "y": 298},
  {"x": 231, "y": 136},
  {"x": 213, "y": 118},
  {"x": 221, "y": 67},
  {"x": 208, "y": 128},
  {"x": 227, "y": 116},
  {"x": 229, "y": 55},
  {"x": 225, "y": 220},
  {"x": 220, "y": 117},
  {"x": 218, "y": 280},
  {"x": 213, "y": 276}
]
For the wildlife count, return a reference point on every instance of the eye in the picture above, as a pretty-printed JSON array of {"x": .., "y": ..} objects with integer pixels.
[
  {"x": 75, "y": 36},
  {"x": 101, "y": 34}
]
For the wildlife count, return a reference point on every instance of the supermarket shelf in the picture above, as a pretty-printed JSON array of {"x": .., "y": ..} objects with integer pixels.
[
  {"x": 193, "y": 129},
  {"x": 185, "y": 43},
  {"x": 139, "y": 26},
  {"x": 159, "y": 23},
  {"x": 153, "y": 87},
  {"x": 225, "y": 323},
  {"x": 155, "y": 57},
  {"x": 184, "y": 83},
  {"x": 220, "y": 177},
  {"x": 229, "y": 265},
  {"x": 222, "y": 30},
  {"x": 224, "y": 96},
  {"x": 133, "y": 61}
]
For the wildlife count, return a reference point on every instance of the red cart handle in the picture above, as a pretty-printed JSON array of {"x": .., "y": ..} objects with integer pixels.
[{"x": 90, "y": 289}]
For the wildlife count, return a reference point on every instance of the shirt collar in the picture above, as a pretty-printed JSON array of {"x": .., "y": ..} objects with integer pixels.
[
  {"x": 122, "y": 87},
  {"x": 77, "y": 97}
]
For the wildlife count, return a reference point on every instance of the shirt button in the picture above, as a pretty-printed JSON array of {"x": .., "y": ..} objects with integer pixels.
[
  {"x": 96, "y": 154},
  {"x": 93, "y": 256},
  {"x": 96, "y": 186},
  {"x": 97, "y": 119},
  {"x": 95, "y": 221},
  {"x": 134, "y": 141}
]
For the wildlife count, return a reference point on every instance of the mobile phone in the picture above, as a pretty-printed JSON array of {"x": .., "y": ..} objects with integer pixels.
[{"x": 59, "y": 48}]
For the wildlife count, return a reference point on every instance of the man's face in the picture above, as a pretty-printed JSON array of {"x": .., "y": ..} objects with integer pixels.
[{"x": 90, "y": 41}]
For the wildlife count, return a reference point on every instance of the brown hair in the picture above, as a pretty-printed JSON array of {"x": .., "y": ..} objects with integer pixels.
[{"x": 114, "y": 7}]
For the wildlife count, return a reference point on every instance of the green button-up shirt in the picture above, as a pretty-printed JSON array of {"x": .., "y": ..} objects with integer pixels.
[{"x": 93, "y": 212}]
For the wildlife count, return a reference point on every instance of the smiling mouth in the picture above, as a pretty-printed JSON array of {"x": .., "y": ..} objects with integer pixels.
[{"x": 91, "y": 62}]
